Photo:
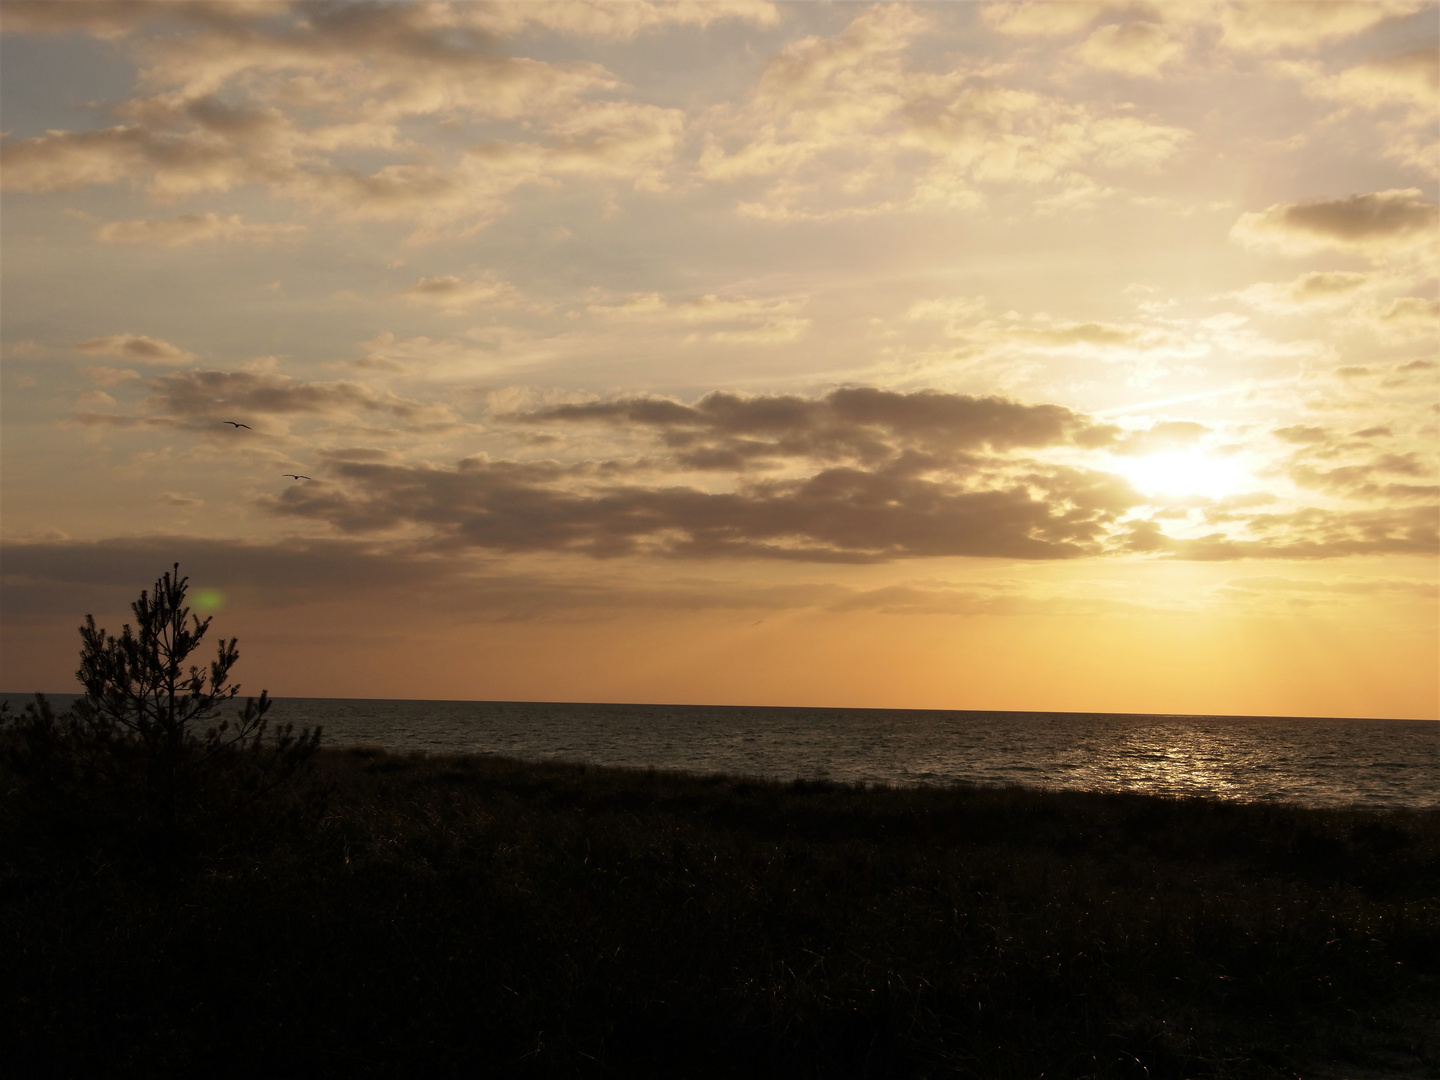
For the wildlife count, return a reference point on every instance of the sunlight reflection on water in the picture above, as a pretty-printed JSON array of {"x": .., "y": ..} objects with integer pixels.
[{"x": 1317, "y": 762}]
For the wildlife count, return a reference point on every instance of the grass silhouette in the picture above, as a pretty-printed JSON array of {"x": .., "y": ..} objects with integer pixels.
[{"x": 484, "y": 916}]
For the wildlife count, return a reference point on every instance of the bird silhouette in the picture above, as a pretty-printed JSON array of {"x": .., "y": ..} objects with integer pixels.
[
  {"x": 238, "y": 425},
  {"x": 296, "y": 476}
]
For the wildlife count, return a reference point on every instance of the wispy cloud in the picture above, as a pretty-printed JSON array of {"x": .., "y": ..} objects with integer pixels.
[
  {"x": 833, "y": 119},
  {"x": 450, "y": 295},
  {"x": 193, "y": 229},
  {"x": 138, "y": 348}
]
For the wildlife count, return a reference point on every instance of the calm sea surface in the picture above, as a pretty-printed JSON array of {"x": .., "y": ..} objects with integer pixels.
[{"x": 1318, "y": 762}]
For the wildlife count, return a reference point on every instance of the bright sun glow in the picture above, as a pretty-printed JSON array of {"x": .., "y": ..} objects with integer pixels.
[{"x": 1185, "y": 472}]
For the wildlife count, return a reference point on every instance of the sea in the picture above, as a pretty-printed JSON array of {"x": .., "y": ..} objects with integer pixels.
[{"x": 1313, "y": 761}]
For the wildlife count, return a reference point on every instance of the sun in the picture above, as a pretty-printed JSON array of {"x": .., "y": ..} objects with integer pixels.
[{"x": 1185, "y": 472}]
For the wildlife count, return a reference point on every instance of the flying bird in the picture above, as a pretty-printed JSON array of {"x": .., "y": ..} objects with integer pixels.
[
  {"x": 297, "y": 476},
  {"x": 237, "y": 424}
]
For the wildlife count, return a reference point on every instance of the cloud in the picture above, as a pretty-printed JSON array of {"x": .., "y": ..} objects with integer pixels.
[
  {"x": 855, "y": 424},
  {"x": 1371, "y": 464},
  {"x": 1246, "y": 26},
  {"x": 304, "y": 101},
  {"x": 124, "y": 420},
  {"x": 1319, "y": 288},
  {"x": 871, "y": 476},
  {"x": 245, "y": 394},
  {"x": 634, "y": 144},
  {"x": 54, "y": 579},
  {"x": 835, "y": 515},
  {"x": 593, "y": 19},
  {"x": 137, "y": 348},
  {"x": 1136, "y": 47},
  {"x": 1404, "y": 87},
  {"x": 60, "y": 578},
  {"x": 1411, "y": 79},
  {"x": 481, "y": 350},
  {"x": 1424, "y": 590},
  {"x": 1363, "y": 480},
  {"x": 1310, "y": 533},
  {"x": 1322, "y": 285},
  {"x": 108, "y": 376},
  {"x": 64, "y": 161},
  {"x": 197, "y": 400},
  {"x": 1161, "y": 437},
  {"x": 1373, "y": 225},
  {"x": 745, "y": 319},
  {"x": 1078, "y": 334},
  {"x": 1016, "y": 342},
  {"x": 843, "y": 126},
  {"x": 1041, "y": 18},
  {"x": 452, "y": 296},
  {"x": 1412, "y": 313},
  {"x": 1261, "y": 26},
  {"x": 1408, "y": 377},
  {"x": 772, "y": 332},
  {"x": 190, "y": 229},
  {"x": 312, "y": 103},
  {"x": 858, "y": 475},
  {"x": 107, "y": 19},
  {"x": 1300, "y": 433},
  {"x": 176, "y": 147},
  {"x": 959, "y": 313},
  {"x": 653, "y": 307},
  {"x": 393, "y": 60},
  {"x": 939, "y": 598}
]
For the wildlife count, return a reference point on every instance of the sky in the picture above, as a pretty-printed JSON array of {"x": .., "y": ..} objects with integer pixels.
[{"x": 1023, "y": 356}]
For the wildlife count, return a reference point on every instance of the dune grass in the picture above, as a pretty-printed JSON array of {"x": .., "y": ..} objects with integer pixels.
[{"x": 481, "y": 916}]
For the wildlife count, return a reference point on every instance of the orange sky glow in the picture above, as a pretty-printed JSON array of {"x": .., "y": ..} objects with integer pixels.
[{"x": 1025, "y": 356}]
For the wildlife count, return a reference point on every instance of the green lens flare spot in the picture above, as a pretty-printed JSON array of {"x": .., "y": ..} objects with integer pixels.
[{"x": 209, "y": 599}]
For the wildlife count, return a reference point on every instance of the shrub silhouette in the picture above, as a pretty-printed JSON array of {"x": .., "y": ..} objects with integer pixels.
[{"x": 145, "y": 754}]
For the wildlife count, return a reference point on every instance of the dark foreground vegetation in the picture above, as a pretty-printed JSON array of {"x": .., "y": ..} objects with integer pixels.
[
  {"x": 186, "y": 895},
  {"x": 487, "y": 917}
]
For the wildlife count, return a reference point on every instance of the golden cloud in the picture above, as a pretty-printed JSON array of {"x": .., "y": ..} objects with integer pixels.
[
  {"x": 1264, "y": 26},
  {"x": 363, "y": 69},
  {"x": 859, "y": 475},
  {"x": 1042, "y": 18},
  {"x": 191, "y": 229},
  {"x": 194, "y": 396},
  {"x": 1136, "y": 47},
  {"x": 139, "y": 348},
  {"x": 733, "y": 319},
  {"x": 1408, "y": 81},
  {"x": 1373, "y": 225},
  {"x": 452, "y": 296},
  {"x": 838, "y": 124},
  {"x": 600, "y": 19},
  {"x": 1411, "y": 79}
]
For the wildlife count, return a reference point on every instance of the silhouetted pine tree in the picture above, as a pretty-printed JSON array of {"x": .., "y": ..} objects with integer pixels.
[{"x": 146, "y": 752}]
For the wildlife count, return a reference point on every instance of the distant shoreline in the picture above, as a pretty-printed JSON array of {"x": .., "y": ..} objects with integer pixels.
[
  {"x": 1312, "y": 761},
  {"x": 70, "y": 696}
]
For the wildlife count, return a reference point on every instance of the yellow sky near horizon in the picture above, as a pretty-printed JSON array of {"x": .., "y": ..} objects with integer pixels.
[{"x": 1036, "y": 356}]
